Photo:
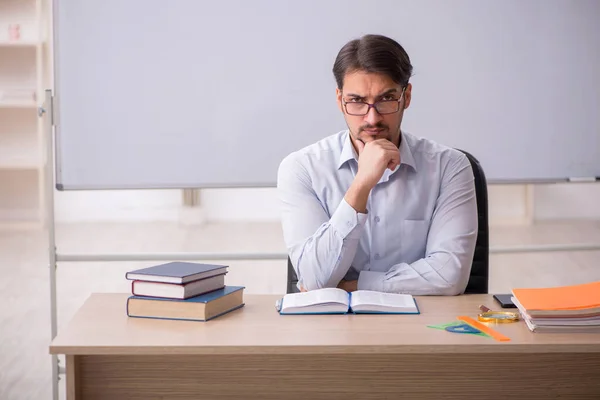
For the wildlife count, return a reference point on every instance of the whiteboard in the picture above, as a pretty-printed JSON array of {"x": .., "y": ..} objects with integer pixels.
[{"x": 195, "y": 94}]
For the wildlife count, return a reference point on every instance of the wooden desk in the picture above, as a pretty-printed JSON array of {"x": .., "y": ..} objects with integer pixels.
[{"x": 255, "y": 353}]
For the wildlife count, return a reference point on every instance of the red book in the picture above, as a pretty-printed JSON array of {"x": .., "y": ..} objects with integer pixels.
[{"x": 175, "y": 290}]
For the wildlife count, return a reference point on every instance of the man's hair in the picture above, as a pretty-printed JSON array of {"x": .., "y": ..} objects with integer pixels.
[{"x": 373, "y": 54}]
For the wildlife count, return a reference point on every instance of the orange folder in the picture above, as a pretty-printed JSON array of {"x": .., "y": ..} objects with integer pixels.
[{"x": 574, "y": 297}]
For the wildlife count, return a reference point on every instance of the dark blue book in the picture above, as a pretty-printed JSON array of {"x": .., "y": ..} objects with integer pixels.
[
  {"x": 200, "y": 308},
  {"x": 176, "y": 272}
]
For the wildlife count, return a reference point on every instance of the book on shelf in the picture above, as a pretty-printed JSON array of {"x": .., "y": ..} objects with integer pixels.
[
  {"x": 204, "y": 307},
  {"x": 176, "y": 272},
  {"x": 338, "y": 301},
  {"x": 571, "y": 308},
  {"x": 176, "y": 290}
]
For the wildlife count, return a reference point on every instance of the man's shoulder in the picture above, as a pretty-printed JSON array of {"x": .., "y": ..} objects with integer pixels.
[
  {"x": 324, "y": 150},
  {"x": 432, "y": 151},
  {"x": 329, "y": 145}
]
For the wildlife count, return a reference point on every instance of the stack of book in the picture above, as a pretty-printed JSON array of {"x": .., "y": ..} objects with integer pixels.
[
  {"x": 182, "y": 291},
  {"x": 574, "y": 308}
]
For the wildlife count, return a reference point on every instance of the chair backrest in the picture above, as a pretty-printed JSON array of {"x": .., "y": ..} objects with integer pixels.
[{"x": 479, "y": 277}]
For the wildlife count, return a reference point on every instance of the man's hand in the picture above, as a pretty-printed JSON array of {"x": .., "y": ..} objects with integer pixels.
[
  {"x": 373, "y": 158},
  {"x": 348, "y": 286}
]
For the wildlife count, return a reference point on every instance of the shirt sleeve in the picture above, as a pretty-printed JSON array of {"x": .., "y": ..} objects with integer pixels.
[
  {"x": 446, "y": 267},
  {"x": 321, "y": 247}
]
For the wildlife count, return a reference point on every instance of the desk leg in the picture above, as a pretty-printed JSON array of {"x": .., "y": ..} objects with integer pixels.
[{"x": 73, "y": 377}]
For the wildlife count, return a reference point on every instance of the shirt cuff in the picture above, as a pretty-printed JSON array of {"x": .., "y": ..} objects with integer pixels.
[
  {"x": 371, "y": 280},
  {"x": 346, "y": 220}
]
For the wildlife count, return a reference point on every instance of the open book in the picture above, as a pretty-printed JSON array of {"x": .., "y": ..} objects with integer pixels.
[{"x": 338, "y": 301}]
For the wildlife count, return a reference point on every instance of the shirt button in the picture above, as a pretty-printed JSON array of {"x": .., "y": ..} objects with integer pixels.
[
  {"x": 377, "y": 257},
  {"x": 377, "y": 219}
]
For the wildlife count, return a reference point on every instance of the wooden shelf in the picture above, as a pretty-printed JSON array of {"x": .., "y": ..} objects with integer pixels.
[
  {"x": 17, "y": 97},
  {"x": 21, "y": 13},
  {"x": 19, "y": 43},
  {"x": 21, "y": 208},
  {"x": 18, "y": 104},
  {"x": 20, "y": 225},
  {"x": 25, "y": 71},
  {"x": 19, "y": 152},
  {"x": 24, "y": 219}
]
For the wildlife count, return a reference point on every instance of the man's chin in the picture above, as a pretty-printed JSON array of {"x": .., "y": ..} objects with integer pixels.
[{"x": 368, "y": 137}]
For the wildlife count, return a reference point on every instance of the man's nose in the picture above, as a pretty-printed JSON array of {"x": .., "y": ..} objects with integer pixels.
[{"x": 373, "y": 117}]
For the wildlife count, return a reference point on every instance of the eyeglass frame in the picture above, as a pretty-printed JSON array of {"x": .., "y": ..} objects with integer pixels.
[{"x": 373, "y": 105}]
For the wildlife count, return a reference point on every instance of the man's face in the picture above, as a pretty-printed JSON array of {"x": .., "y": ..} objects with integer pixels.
[{"x": 366, "y": 87}]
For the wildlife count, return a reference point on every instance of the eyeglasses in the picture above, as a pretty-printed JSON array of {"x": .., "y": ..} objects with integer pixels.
[{"x": 383, "y": 107}]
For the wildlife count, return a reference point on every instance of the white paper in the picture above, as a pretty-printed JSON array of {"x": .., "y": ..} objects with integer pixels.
[
  {"x": 382, "y": 300},
  {"x": 313, "y": 297}
]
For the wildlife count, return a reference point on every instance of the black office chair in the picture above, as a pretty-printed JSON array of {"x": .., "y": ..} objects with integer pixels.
[{"x": 478, "y": 279}]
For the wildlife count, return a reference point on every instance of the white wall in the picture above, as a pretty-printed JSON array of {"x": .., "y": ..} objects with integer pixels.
[
  {"x": 567, "y": 201},
  {"x": 117, "y": 205},
  {"x": 240, "y": 204},
  {"x": 509, "y": 204}
]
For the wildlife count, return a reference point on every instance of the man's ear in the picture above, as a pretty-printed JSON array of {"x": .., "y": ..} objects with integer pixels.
[
  {"x": 407, "y": 95},
  {"x": 338, "y": 95}
]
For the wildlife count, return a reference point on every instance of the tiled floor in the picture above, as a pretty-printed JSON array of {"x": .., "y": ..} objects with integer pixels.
[{"x": 25, "y": 371}]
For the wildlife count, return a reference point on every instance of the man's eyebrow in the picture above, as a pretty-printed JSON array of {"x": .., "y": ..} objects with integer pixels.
[{"x": 390, "y": 91}]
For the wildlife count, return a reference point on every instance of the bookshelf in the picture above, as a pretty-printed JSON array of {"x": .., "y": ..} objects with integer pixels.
[{"x": 24, "y": 75}]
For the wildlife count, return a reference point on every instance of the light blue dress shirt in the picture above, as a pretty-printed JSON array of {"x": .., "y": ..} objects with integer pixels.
[{"x": 418, "y": 235}]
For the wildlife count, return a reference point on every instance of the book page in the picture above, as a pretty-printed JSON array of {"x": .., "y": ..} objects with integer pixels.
[
  {"x": 392, "y": 300},
  {"x": 314, "y": 297}
]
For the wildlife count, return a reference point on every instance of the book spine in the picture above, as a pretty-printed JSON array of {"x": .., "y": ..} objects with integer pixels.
[
  {"x": 127, "y": 307},
  {"x": 226, "y": 311},
  {"x": 350, "y": 311}
]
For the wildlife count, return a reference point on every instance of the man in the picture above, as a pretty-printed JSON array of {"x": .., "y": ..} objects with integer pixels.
[{"x": 374, "y": 207}]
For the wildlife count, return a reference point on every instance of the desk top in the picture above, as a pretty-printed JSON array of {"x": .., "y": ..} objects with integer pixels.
[{"x": 101, "y": 326}]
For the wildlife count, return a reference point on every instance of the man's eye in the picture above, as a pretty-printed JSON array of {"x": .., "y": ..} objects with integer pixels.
[
  {"x": 355, "y": 100},
  {"x": 388, "y": 98}
]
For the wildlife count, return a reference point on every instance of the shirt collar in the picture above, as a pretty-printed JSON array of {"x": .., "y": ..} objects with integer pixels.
[
  {"x": 348, "y": 152},
  {"x": 406, "y": 156}
]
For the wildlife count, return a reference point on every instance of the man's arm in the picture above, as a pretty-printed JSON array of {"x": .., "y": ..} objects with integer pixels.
[
  {"x": 321, "y": 248},
  {"x": 450, "y": 244}
]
